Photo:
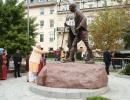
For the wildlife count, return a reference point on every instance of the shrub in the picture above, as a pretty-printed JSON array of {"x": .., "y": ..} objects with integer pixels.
[
  {"x": 78, "y": 56},
  {"x": 50, "y": 55},
  {"x": 126, "y": 70},
  {"x": 97, "y": 98}
]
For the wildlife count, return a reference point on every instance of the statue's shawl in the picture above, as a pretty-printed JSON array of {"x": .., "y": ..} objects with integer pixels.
[{"x": 80, "y": 20}]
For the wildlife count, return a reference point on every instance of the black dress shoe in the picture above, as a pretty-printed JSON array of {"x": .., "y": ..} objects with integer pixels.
[{"x": 19, "y": 76}]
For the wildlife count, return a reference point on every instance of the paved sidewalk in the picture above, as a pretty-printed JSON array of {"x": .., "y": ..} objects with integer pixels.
[{"x": 18, "y": 89}]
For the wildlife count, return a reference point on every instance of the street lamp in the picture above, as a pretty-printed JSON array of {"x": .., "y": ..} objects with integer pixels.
[
  {"x": 28, "y": 21},
  {"x": 83, "y": 2},
  {"x": 59, "y": 4}
]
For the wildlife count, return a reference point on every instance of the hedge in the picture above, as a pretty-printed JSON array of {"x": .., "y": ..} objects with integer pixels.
[{"x": 126, "y": 69}]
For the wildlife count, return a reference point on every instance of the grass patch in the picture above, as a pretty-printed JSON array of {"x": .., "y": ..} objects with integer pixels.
[{"x": 96, "y": 98}]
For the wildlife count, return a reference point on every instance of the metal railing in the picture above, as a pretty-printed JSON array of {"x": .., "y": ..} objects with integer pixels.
[{"x": 120, "y": 62}]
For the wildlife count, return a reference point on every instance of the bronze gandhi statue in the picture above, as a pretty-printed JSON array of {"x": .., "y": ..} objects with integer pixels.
[{"x": 80, "y": 34}]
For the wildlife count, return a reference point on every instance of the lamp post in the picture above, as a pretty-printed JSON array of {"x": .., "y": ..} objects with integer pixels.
[
  {"x": 28, "y": 21},
  {"x": 97, "y": 2},
  {"x": 83, "y": 2},
  {"x": 58, "y": 9}
]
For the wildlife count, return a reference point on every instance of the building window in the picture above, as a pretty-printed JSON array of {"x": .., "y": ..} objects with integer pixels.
[
  {"x": 31, "y": 1},
  {"x": 51, "y": 36},
  {"x": 41, "y": 23},
  {"x": 64, "y": 7},
  {"x": 78, "y": 6},
  {"x": 89, "y": 0},
  {"x": 42, "y": 0},
  {"x": 70, "y": 20},
  {"x": 90, "y": 5},
  {"x": 89, "y": 19},
  {"x": 50, "y": 48},
  {"x": 51, "y": 10},
  {"x": 41, "y": 11},
  {"x": 51, "y": 23},
  {"x": 42, "y": 37}
]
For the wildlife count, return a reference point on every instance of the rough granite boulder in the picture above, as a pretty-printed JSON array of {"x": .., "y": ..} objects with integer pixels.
[{"x": 73, "y": 75}]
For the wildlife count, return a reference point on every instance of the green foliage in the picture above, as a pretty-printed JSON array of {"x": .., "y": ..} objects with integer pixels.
[
  {"x": 97, "y": 98},
  {"x": 13, "y": 27},
  {"x": 126, "y": 38},
  {"x": 49, "y": 55},
  {"x": 78, "y": 56},
  {"x": 121, "y": 1},
  {"x": 126, "y": 70},
  {"x": 126, "y": 28},
  {"x": 106, "y": 29}
]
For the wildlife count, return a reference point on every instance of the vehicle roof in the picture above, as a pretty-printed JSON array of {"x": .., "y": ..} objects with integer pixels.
[{"x": 123, "y": 51}]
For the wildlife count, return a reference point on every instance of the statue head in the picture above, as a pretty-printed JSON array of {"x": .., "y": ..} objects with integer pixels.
[{"x": 72, "y": 7}]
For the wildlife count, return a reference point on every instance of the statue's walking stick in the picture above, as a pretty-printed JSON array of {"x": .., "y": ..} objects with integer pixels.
[{"x": 63, "y": 38}]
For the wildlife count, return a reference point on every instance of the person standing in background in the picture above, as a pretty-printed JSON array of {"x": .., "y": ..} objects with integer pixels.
[
  {"x": 27, "y": 61},
  {"x": 112, "y": 59},
  {"x": 17, "y": 58},
  {"x": 107, "y": 60},
  {"x": 3, "y": 67},
  {"x": 42, "y": 63},
  {"x": 27, "y": 64}
]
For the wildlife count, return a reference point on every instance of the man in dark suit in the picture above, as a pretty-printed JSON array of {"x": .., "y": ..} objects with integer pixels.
[
  {"x": 107, "y": 60},
  {"x": 17, "y": 62}
]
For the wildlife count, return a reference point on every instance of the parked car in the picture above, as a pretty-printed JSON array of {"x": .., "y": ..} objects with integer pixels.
[
  {"x": 121, "y": 57},
  {"x": 1, "y": 50}
]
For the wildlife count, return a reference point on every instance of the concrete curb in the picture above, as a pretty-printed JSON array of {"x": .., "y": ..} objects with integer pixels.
[{"x": 65, "y": 93}]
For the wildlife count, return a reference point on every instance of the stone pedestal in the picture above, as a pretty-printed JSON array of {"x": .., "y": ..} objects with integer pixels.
[{"x": 73, "y": 75}]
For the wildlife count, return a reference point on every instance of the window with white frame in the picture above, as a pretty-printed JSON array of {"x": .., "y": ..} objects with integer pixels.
[
  {"x": 89, "y": 0},
  {"x": 51, "y": 23},
  {"x": 89, "y": 19},
  {"x": 50, "y": 48},
  {"x": 42, "y": 0},
  {"x": 41, "y": 37},
  {"x": 51, "y": 36},
  {"x": 90, "y": 5},
  {"x": 31, "y": 1},
  {"x": 51, "y": 10},
  {"x": 64, "y": 7},
  {"x": 41, "y": 23},
  {"x": 78, "y": 6},
  {"x": 59, "y": 0},
  {"x": 41, "y": 11}
]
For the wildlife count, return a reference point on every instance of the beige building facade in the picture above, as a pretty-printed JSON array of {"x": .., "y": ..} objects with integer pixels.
[{"x": 51, "y": 15}]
